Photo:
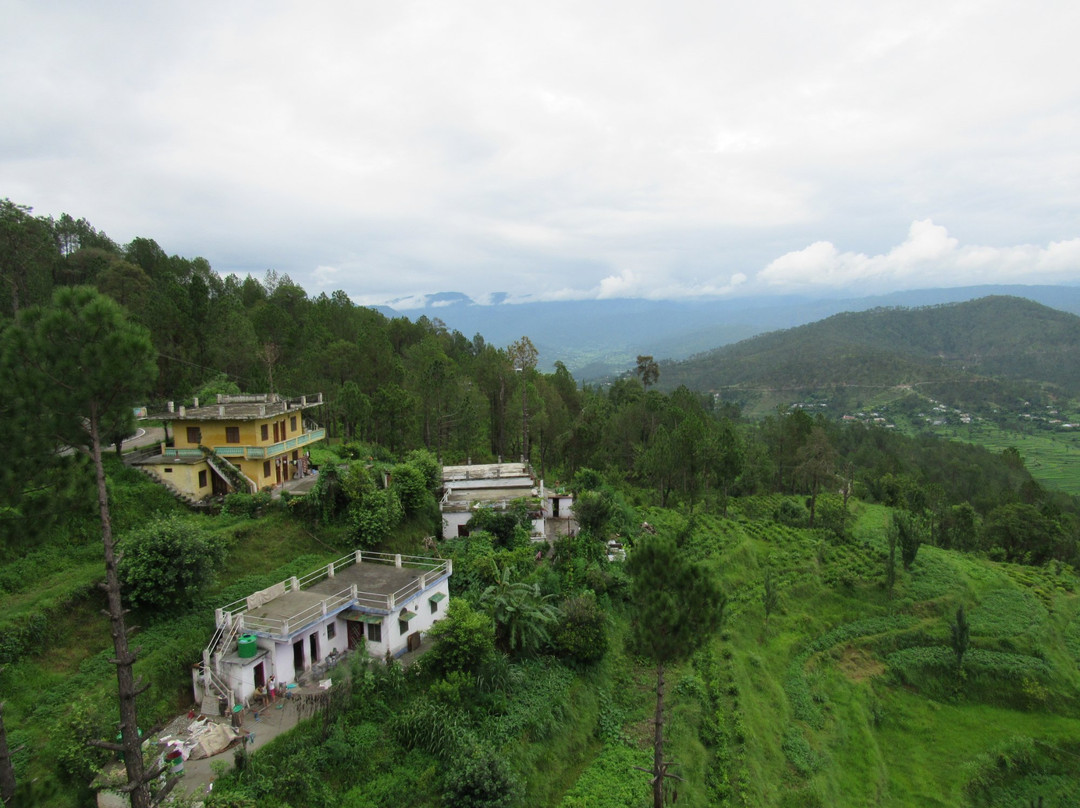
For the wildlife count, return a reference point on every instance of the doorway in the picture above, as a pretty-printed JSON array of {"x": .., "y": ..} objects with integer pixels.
[
  {"x": 298, "y": 656},
  {"x": 314, "y": 641},
  {"x": 356, "y": 634},
  {"x": 260, "y": 675}
]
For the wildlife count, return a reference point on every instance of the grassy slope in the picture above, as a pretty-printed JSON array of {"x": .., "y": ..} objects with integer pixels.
[
  {"x": 42, "y": 689},
  {"x": 737, "y": 726},
  {"x": 872, "y": 740}
]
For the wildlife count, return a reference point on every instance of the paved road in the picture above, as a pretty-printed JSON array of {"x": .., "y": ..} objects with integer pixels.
[{"x": 149, "y": 436}]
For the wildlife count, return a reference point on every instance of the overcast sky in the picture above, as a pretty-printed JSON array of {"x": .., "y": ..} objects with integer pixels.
[{"x": 559, "y": 150}]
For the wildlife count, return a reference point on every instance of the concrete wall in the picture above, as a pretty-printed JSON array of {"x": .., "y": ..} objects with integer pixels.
[
  {"x": 452, "y": 520},
  {"x": 214, "y": 432},
  {"x": 185, "y": 477}
]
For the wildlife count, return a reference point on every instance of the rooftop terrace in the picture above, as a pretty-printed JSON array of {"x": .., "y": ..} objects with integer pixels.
[
  {"x": 376, "y": 583},
  {"x": 239, "y": 408}
]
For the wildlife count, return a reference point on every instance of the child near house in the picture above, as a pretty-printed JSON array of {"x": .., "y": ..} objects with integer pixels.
[{"x": 271, "y": 690}]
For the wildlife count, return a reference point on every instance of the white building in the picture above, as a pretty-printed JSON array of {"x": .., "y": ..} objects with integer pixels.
[
  {"x": 466, "y": 489},
  {"x": 286, "y": 630}
]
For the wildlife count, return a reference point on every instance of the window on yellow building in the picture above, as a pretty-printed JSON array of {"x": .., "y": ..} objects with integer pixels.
[
  {"x": 292, "y": 424},
  {"x": 266, "y": 469},
  {"x": 202, "y": 479},
  {"x": 194, "y": 435},
  {"x": 266, "y": 432},
  {"x": 232, "y": 434}
]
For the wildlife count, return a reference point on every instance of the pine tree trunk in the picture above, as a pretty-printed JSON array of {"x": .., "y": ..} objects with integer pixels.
[
  {"x": 658, "y": 740},
  {"x": 7, "y": 768},
  {"x": 124, "y": 661}
]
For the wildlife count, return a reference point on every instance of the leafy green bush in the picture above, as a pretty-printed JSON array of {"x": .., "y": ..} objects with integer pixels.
[
  {"x": 249, "y": 505},
  {"x": 510, "y": 527},
  {"x": 411, "y": 487},
  {"x": 481, "y": 779},
  {"x": 375, "y": 516},
  {"x": 800, "y": 754},
  {"x": 166, "y": 562},
  {"x": 581, "y": 631},
  {"x": 464, "y": 640}
]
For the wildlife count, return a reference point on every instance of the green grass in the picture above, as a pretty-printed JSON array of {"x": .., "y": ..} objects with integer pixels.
[{"x": 803, "y": 712}]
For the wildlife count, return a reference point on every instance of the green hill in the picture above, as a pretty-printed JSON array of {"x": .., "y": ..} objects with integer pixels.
[{"x": 1000, "y": 343}]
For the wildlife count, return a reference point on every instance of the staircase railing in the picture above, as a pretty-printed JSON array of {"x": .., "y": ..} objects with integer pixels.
[{"x": 229, "y": 472}]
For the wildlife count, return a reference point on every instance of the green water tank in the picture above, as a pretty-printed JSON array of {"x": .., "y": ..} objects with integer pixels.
[{"x": 246, "y": 647}]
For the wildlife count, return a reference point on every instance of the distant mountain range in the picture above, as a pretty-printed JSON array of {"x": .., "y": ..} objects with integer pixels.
[
  {"x": 993, "y": 349},
  {"x": 600, "y": 338}
]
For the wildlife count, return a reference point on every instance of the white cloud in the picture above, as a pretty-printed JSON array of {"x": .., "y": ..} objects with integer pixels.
[
  {"x": 553, "y": 150},
  {"x": 927, "y": 258},
  {"x": 325, "y": 277}
]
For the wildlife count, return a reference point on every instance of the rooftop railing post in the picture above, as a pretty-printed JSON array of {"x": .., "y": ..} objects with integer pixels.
[
  {"x": 359, "y": 556},
  {"x": 330, "y": 570},
  {"x": 423, "y": 581},
  {"x": 294, "y": 583},
  {"x": 285, "y": 627},
  {"x": 397, "y": 560},
  {"x": 353, "y": 593}
]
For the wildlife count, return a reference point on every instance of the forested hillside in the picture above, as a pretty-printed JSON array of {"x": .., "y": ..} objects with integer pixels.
[
  {"x": 899, "y": 618},
  {"x": 995, "y": 346}
]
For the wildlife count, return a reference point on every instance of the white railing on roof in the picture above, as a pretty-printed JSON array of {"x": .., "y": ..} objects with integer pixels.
[{"x": 377, "y": 601}]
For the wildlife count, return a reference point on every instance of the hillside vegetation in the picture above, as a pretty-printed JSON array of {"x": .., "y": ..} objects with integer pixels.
[
  {"x": 844, "y": 670},
  {"x": 990, "y": 345},
  {"x": 845, "y": 696}
]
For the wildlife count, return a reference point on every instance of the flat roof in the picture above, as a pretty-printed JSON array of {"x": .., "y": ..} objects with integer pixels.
[
  {"x": 279, "y": 611},
  {"x": 241, "y": 408},
  {"x": 482, "y": 471}
]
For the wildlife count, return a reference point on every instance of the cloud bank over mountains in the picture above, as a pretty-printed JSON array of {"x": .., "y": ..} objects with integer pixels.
[{"x": 561, "y": 150}]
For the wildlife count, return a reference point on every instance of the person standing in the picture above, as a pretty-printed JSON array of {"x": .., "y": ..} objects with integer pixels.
[{"x": 271, "y": 690}]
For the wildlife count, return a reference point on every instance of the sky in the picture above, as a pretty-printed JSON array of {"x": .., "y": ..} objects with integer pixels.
[{"x": 559, "y": 150}]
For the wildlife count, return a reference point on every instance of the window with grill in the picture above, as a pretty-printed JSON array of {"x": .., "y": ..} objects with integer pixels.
[{"x": 232, "y": 434}]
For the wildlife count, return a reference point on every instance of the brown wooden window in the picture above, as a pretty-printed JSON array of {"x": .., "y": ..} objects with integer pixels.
[
  {"x": 194, "y": 435},
  {"x": 266, "y": 432},
  {"x": 232, "y": 434},
  {"x": 292, "y": 424},
  {"x": 266, "y": 469},
  {"x": 202, "y": 479}
]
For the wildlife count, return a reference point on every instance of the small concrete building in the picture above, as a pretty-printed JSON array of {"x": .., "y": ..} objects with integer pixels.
[
  {"x": 292, "y": 629},
  {"x": 490, "y": 485},
  {"x": 466, "y": 489}
]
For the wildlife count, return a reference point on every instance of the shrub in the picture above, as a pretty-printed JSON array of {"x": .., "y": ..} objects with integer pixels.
[
  {"x": 464, "y": 640},
  {"x": 581, "y": 633},
  {"x": 410, "y": 486},
  {"x": 375, "y": 516},
  {"x": 167, "y": 561},
  {"x": 481, "y": 779}
]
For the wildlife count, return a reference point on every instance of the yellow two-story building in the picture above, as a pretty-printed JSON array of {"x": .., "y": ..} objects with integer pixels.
[{"x": 237, "y": 443}]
